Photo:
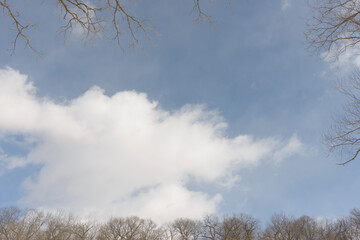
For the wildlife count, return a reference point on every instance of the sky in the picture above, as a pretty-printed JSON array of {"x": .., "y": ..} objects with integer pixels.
[{"x": 202, "y": 119}]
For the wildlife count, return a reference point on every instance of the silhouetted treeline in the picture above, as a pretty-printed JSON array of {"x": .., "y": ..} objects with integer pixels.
[{"x": 17, "y": 224}]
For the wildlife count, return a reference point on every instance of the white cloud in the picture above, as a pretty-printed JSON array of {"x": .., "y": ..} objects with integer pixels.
[
  {"x": 285, "y": 5},
  {"x": 293, "y": 146},
  {"x": 346, "y": 61},
  {"x": 120, "y": 155}
]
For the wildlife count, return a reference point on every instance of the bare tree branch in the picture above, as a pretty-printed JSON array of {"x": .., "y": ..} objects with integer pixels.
[
  {"x": 335, "y": 26},
  {"x": 343, "y": 136},
  {"x": 94, "y": 19},
  {"x": 20, "y": 28}
]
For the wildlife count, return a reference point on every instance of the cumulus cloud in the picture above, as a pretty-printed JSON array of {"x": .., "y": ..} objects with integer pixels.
[{"x": 117, "y": 155}]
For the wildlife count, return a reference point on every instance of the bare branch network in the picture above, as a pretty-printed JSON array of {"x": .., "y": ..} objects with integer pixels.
[
  {"x": 93, "y": 19},
  {"x": 335, "y": 26},
  {"x": 20, "y": 28},
  {"x": 344, "y": 135},
  {"x": 16, "y": 224}
]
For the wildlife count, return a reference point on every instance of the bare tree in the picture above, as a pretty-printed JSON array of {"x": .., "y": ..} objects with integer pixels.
[
  {"x": 343, "y": 136},
  {"x": 355, "y": 217},
  {"x": 84, "y": 230},
  {"x": 211, "y": 227},
  {"x": 279, "y": 228},
  {"x": 250, "y": 226},
  {"x": 307, "y": 228},
  {"x": 109, "y": 17},
  {"x": 58, "y": 226},
  {"x": 119, "y": 228},
  {"x": 16, "y": 224},
  {"x": 239, "y": 226},
  {"x": 150, "y": 231},
  {"x": 335, "y": 25},
  {"x": 29, "y": 226},
  {"x": 282, "y": 227},
  {"x": 187, "y": 229},
  {"x": 130, "y": 228},
  {"x": 325, "y": 230},
  {"x": 8, "y": 218},
  {"x": 339, "y": 229},
  {"x": 169, "y": 232}
]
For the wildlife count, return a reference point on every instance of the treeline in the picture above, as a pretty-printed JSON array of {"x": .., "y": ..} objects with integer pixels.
[{"x": 17, "y": 224}]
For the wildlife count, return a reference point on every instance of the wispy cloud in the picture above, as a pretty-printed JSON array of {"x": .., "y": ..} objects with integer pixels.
[
  {"x": 346, "y": 61},
  {"x": 293, "y": 146},
  {"x": 285, "y": 5},
  {"x": 101, "y": 155}
]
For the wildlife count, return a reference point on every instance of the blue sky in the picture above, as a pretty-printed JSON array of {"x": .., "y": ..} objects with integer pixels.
[{"x": 253, "y": 74}]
